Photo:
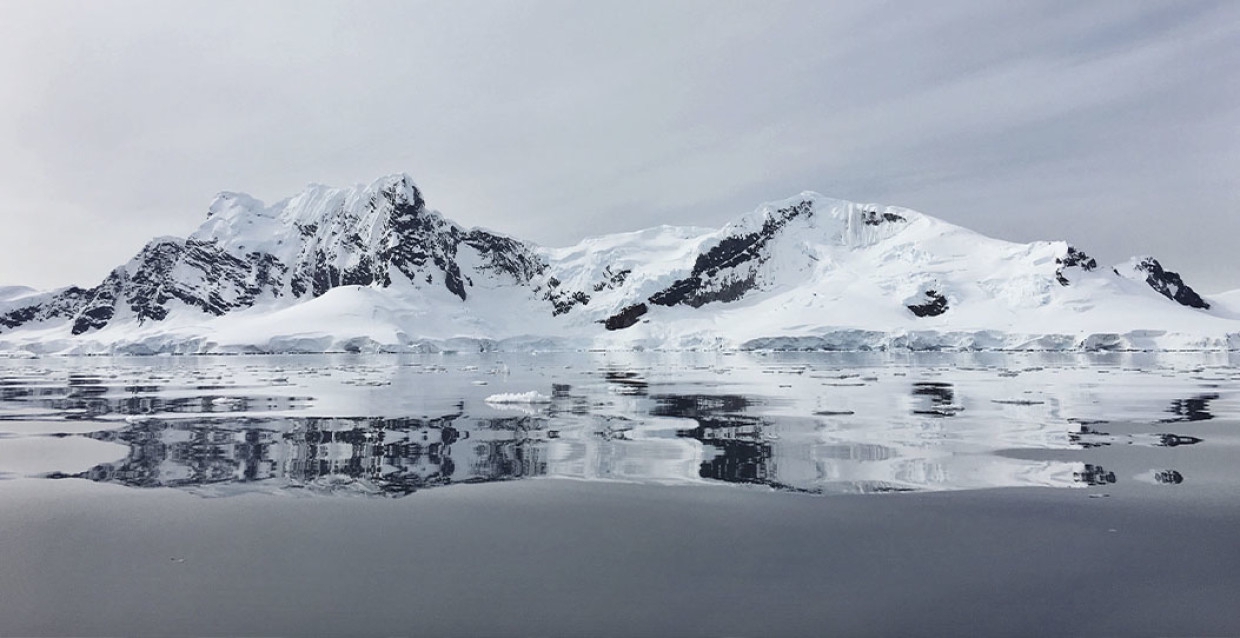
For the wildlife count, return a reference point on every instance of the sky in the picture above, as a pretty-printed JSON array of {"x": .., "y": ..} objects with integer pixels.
[{"x": 1113, "y": 125}]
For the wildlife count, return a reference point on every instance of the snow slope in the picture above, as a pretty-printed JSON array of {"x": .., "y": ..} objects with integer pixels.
[
  {"x": 1226, "y": 303},
  {"x": 10, "y": 293},
  {"x": 371, "y": 268}
]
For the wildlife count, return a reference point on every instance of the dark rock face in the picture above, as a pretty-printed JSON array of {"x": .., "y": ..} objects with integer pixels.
[
  {"x": 505, "y": 255},
  {"x": 99, "y": 308},
  {"x": 1073, "y": 258},
  {"x": 1094, "y": 475},
  {"x": 627, "y": 317},
  {"x": 612, "y": 279},
  {"x": 20, "y": 316},
  {"x": 728, "y": 270},
  {"x": 935, "y": 305},
  {"x": 197, "y": 273},
  {"x": 62, "y": 305},
  {"x": 1170, "y": 285},
  {"x": 874, "y": 218},
  {"x": 418, "y": 238},
  {"x": 563, "y": 300},
  {"x": 697, "y": 292}
]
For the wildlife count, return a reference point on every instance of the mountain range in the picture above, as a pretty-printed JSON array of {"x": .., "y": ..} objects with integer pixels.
[{"x": 373, "y": 268}]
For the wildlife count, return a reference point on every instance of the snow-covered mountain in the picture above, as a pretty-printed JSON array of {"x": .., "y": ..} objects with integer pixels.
[{"x": 373, "y": 268}]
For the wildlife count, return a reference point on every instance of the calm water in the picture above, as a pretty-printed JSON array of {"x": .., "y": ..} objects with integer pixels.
[{"x": 699, "y": 494}]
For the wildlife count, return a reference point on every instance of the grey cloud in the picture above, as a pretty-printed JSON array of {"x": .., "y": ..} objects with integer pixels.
[{"x": 1111, "y": 124}]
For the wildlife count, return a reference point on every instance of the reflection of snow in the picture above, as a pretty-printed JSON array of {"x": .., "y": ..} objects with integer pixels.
[
  {"x": 533, "y": 396},
  {"x": 793, "y": 465},
  {"x": 40, "y": 455},
  {"x": 814, "y": 423},
  {"x": 642, "y": 454}
]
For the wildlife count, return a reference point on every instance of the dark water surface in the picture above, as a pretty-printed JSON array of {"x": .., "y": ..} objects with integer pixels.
[{"x": 621, "y": 494}]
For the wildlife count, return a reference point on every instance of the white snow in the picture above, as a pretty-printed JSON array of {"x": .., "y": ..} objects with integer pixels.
[
  {"x": 1226, "y": 303},
  {"x": 830, "y": 280},
  {"x": 10, "y": 293}
]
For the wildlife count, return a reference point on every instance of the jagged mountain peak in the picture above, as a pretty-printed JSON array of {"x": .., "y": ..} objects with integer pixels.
[
  {"x": 227, "y": 202},
  {"x": 373, "y": 264},
  {"x": 371, "y": 206},
  {"x": 360, "y": 235},
  {"x": 820, "y": 211}
]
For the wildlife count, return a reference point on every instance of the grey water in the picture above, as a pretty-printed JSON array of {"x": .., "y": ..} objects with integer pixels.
[{"x": 595, "y": 493}]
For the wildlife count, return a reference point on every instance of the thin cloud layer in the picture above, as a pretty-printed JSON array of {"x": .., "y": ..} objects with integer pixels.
[{"x": 1115, "y": 125}]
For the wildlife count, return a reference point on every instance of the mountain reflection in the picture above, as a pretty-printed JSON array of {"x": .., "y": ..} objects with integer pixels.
[
  {"x": 365, "y": 455},
  {"x": 940, "y": 399},
  {"x": 86, "y": 397},
  {"x": 694, "y": 438},
  {"x": 739, "y": 450},
  {"x": 784, "y": 427},
  {"x": 1192, "y": 409}
]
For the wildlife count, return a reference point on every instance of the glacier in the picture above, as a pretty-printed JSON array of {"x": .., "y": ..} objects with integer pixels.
[{"x": 372, "y": 268}]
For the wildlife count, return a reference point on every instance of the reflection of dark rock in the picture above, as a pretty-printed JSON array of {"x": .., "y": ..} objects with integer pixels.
[
  {"x": 1089, "y": 438},
  {"x": 15, "y": 390},
  {"x": 938, "y": 391},
  {"x": 1086, "y": 437},
  {"x": 739, "y": 462},
  {"x": 1168, "y": 477},
  {"x": 563, "y": 401},
  {"x": 85, "y": 397},
  {"x": 941, "y": 397},
  {"x": 698, "y": 406},
  {"x": 726, "y": 429},
  {"x": 381, "y": 456},
  {"x": 1172, "y": 440},
  {"x": 615, "y": 429},
  {"x": 627, "y": 382},
  {"x": 737, "y": 447},
  {"x": 1194, "y": 409},
  {"x": 1094, "y": 475},
  {"x": 740, "y": 451},
  {"x": 866, "y": 452}
]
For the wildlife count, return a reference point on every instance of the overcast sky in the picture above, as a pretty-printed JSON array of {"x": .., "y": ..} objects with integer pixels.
[{"x": 1114, "y": 125}]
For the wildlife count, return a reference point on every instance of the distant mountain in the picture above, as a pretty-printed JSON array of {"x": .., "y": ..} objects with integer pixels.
[{"x": 373, "y": 269}]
